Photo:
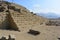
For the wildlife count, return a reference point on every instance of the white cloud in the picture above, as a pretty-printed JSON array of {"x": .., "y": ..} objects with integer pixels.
[
  {"x": 37, "y": 9},
  {"x": 46, "y": 6},
  {"x": 57, "y": 11}
]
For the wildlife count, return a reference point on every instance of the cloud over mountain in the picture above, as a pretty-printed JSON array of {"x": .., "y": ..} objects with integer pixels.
[{"x": 48, "y": 15}]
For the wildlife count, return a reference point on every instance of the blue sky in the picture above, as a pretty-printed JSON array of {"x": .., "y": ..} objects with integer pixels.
[{"x": 39, "y": 6}]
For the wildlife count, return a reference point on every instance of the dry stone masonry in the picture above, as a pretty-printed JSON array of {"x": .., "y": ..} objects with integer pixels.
[{"x": 15, "y": 17}]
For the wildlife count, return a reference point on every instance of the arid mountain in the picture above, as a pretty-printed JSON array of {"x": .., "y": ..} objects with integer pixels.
[{"x": 48, "y": 15}]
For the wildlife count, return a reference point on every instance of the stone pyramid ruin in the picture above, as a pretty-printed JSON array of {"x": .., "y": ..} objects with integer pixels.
[{"x": 16, "y": 17}]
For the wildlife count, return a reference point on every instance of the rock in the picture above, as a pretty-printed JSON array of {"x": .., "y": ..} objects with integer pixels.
[
  {"x": 33, "y": 32},
  {"x": 3, "y": 38}
]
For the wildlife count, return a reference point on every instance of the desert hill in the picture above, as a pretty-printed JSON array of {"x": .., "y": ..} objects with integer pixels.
[
  {"x": 16, "y": 20},
  {"x": 17, "y": 16}
]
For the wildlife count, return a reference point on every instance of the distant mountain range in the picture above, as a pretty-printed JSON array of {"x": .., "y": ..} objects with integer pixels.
[{"x": 48, "y": 15}]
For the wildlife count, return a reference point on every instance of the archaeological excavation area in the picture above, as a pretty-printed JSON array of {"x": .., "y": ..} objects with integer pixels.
[{"x": 18, "y": 23}]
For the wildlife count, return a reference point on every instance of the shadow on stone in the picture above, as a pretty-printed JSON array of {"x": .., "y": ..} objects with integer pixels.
[
  {"x": 14, "y": 8},
  {"x": 2, "y": 9},
  {"x": 9, "y": 24},
  {"x": 3, "y": 38},
  {"x": 58, "y": 38},
  {"x": 33, "y": 32}
]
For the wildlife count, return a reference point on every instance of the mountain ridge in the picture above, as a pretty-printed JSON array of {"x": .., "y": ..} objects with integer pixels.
[{"x": 48, "y": 15}]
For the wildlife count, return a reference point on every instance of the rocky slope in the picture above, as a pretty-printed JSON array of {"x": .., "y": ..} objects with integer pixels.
[{"x": 18, "y": 16}]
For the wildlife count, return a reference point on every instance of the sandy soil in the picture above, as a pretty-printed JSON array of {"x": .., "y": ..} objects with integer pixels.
[{"x": 47, "y": 33}]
